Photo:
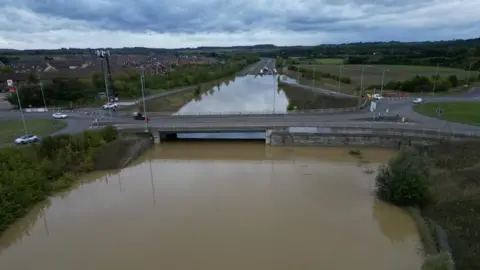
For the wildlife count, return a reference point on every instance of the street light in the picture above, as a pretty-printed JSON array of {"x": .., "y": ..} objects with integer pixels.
[
  {"x": 383, "y": 81},
  {"x": 469, "y": 69},
  {"x": 361, "y": 85},
  {"x": 20, "y": 106},
  {"x": 275, "y": 86},
  {"x": 436, "y": 78},
  {"x": 339, "y": 77},
  {"x": 41, "y": 89},
  {"x": 142, "y": 85},
  {"x": 313, "y": 78}
]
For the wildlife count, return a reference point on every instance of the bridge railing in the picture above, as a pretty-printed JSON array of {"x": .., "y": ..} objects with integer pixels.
[{"x": 252, "y": 113}]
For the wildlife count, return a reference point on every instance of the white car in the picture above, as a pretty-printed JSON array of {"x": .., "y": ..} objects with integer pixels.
[
  {"x": 377, "y": 96},
  {"x": 110, "y": 106},
  {"x": 59, "y": 115},
  {"x": 26, "y": 139},
  {"x": 417, "y": 101}
]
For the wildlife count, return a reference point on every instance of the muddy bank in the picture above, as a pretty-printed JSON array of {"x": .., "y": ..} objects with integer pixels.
[{"x": 121, "y": 152}]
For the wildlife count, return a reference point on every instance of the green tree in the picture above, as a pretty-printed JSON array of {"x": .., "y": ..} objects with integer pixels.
[{"x": 404, "y": 181}]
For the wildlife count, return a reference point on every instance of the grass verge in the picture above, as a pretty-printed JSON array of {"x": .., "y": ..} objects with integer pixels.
[
  {"x": 455, "y": 185},
  {"x": 13, "y": 129},
  {"x": 372, "y": 74},
  {"x": 304, "y": 99},
  {"x": 461, "y": 112}
]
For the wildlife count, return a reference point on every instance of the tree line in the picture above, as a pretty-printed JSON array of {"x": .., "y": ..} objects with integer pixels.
[
  {"x": 72, "y": 92},
  {"x": 454, "y": 53},
  {"x": 424, "y": 84},
  {"x": 30, "y": 174},
  {"x": 310, "y": 74}
]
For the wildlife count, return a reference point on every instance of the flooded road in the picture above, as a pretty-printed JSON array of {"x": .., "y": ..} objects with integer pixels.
[
  {"x": 247, "y": 94},
  {"x": 220, "y": 206}
]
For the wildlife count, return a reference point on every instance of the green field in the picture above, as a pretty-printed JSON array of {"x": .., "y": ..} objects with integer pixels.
[
  {"x": 462, "y": 112},
  {"x": 373, "y": 74},
  {"x": 13, "y": 129}
]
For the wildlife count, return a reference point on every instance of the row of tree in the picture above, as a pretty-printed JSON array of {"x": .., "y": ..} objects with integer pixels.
[
  {"x": 72, "y": 92},
  {"x": 30, "y": 174},
  {"x": 310, "y": 74},
  {"x": 423, "y": 84}
]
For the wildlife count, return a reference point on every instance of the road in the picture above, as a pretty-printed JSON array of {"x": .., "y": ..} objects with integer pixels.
[{"x": 403, "y": 107}]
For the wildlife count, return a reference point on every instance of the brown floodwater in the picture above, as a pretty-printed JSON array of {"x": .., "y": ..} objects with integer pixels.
[{"x": 225, "y": 205}]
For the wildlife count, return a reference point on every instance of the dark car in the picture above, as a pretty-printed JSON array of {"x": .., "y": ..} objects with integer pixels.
[{"x": 138, "y": 116}]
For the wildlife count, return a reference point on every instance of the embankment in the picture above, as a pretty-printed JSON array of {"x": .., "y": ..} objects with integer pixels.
[
  {"x": 30, "y": 174},
  {"x": 357, "y": 136},
  {"x": 120, "y": 153}
]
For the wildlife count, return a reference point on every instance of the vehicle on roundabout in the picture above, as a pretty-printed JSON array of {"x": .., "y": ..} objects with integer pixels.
[
  {"x": 140, "y": 116},
  {"x": 110, "y": 106},
  {"x": 418, "y": 101},
  {"x": 60, "y": 115},
  {"x": 27, "y": 139}
]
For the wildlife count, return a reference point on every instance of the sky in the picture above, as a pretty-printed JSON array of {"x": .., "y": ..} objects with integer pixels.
[{"x": 50, "y": 24}]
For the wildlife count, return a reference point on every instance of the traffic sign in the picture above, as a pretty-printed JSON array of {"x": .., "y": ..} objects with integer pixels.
[
  {"x": 11, "y": 89},
  {"x": 10, "y": 83}
]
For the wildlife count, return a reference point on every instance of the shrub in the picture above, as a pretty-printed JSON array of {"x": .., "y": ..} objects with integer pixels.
[
  {"x": 405, "y": 181},
  {"x": 29, "y": 174},
  {"x": 440, "y": 261}
]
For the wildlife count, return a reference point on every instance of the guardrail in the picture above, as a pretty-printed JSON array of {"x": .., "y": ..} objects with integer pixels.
[{"x": 254, "y": 113}]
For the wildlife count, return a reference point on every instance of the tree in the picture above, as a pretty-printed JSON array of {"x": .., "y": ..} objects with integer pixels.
[{"x": 404, "y": 182}]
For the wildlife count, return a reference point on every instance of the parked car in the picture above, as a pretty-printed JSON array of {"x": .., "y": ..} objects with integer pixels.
[
  {"x": 60, "y": 115},
  {"x": 418, "y": 100},
  {"x": 377, "y": 97},
  {"x": 26, "y": 139},
  {"x": 110, "y": 106}
]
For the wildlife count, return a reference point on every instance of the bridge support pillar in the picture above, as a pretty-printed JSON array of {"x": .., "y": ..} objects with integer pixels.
[
  {"x": 268, "y": 135},
  {"x": 156, "y": 137}
]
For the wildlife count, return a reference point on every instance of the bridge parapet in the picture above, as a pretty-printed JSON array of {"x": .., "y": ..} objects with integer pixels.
[
  {"x": 363, "y": 136},
  {"x": 247, "y": 114}
]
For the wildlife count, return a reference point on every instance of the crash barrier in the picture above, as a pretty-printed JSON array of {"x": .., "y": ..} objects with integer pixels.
[{"x": 30, "y": 110}]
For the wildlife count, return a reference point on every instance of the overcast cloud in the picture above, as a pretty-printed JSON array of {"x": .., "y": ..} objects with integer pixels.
[{"x": 28, "y": 24}]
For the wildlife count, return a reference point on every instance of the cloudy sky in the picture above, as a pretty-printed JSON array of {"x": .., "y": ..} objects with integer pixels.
[{"x": 29, "y": 24}]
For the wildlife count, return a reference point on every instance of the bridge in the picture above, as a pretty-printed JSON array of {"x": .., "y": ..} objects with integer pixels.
[{"x": 289, "y": 127}]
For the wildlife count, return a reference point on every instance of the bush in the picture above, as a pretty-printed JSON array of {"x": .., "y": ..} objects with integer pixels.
[
  {"x": 405, "y": 181},
  {"x": 30, "y": 174},
  {"x": 441, "y": 261}
]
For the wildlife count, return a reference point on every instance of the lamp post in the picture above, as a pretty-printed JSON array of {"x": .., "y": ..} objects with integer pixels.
[
  {"x": 468, "y": 73},
  {"x": 383, "y": 81},
  {"x": 339, "y": 77},
  {"x": 10, "y": 84},
  {"x": 435, "y": 80},
  {"x": 142, "y": 85},
  {"x": 41, "y": 89},
  {"x": 313, "y": 78}
]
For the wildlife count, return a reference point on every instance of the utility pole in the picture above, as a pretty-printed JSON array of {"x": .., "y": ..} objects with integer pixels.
[
  {"x": 142, "y": 84},
  {"x": 435, "y": 80},
  {"x": 298, "y": 74}
]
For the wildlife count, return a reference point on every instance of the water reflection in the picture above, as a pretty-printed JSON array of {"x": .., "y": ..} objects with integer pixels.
[
  {"x": 256, "y": 94},
  {"x": 226, "y": 206}
]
